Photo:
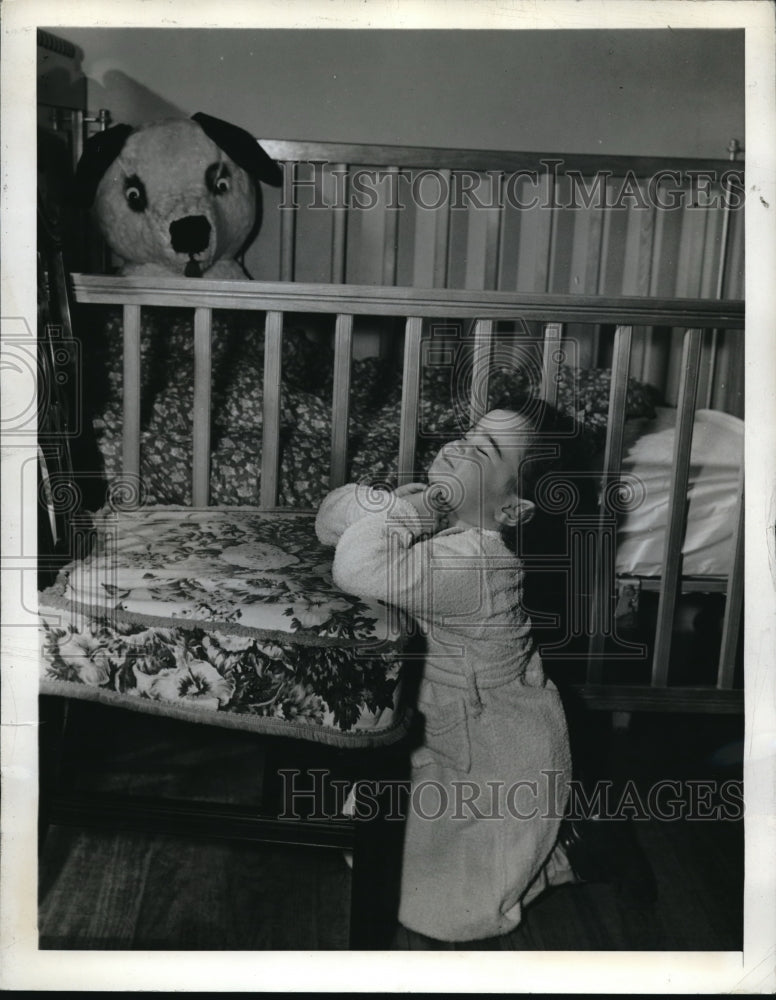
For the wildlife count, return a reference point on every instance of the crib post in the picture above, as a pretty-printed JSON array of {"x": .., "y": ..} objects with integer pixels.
[
  {"x": 677, "y": 506},
  {"x": 483, "y": 337},
  {"x": 340, "y": 403},
  {"x": 200, "y": 489},
  {"x": 604, "y": 578},
  {"x": 131, "y": 401},
  {"x": 551, "y": 362},
  {"x": 339, "y": 223},
  {"x": 391, "y": 231},
  {"x": 410, "y": 398},
  {"x": 724, "y": 239},
  {"x": 288, "y": 223},
  {"x": 270, "y": 436}
]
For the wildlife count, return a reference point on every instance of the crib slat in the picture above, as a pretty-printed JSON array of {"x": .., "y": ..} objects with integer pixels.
[
  {"x": 731, "y": 623},
  {"x": 553, "y": 335},
  {"x": 677, "y": 505},
  {"x": 270, "y": 437},
  {"x": 593, "y": 272},
  {"x": 536, "y": 233},
  {"x": 410, "y": 398},
  {"x": 611, "y": 249},
  {"x": 712, "y": 368},
  {"x": 442, "y": 240},
  {"x": 547, "y": 221},
  {"x": 340, "y": 404},
  {"x": 391, "y": 230},
  {"x": 594, "y": 246},
  {"x": 724, "y": 238},
  {"x": 288, "y": 223},
  {"x": 734, "y": 275},
  {"x": 690, "y": 263},
  {"x": 339, "y": 227},
  {"x": 483, "y": 237},
  {"x": 200, "y": 487},
  {"x": 639, "y": 243},
  {"x": 494, "y": 225},
  {"x": 483, "y": 338},
  {"x": 638, "y": 279},
  {"x": 585, "y": 258},
  {"x": 612, "y": 464},
  {"x": 618, "y": 393},
  {"x": 130, "y": 444},
  {"x": 432, "y": 235}
]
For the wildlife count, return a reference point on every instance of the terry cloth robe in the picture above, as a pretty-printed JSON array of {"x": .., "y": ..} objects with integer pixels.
[{"x": 489, "y": 782}]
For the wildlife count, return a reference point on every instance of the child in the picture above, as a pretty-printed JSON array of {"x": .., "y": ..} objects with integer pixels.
[{"x": 489, "y": 780}]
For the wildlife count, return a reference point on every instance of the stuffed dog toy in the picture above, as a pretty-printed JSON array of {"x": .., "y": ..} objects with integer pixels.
[{"x": 177, "y": 197}]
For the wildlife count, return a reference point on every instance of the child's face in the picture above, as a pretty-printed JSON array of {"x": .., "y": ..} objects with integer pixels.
[{"x": 479, "y": 472}]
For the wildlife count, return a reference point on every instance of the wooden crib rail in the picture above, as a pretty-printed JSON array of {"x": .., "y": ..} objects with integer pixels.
[
  {"x": 427, "y": 303},
  {"x": 431, "y": 157}
]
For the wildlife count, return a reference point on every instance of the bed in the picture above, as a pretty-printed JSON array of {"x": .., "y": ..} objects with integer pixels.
[{"x": 223, "y": 414}]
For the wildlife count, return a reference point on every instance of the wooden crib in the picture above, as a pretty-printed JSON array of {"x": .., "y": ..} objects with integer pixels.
[
  {"x": 629, "y": 312},
  {"x": 484, "y": 309},
  {"x": 472, "y": 248}
]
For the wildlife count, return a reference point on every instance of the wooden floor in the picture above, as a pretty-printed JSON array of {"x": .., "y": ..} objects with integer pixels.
[{"x": 106, "y": 890}]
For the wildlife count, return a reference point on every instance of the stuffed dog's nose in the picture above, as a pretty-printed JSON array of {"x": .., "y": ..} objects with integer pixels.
[{"x": 190, "y": 234}]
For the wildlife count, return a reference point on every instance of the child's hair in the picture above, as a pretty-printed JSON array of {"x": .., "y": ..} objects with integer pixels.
[{"x": 554, "y": 457}]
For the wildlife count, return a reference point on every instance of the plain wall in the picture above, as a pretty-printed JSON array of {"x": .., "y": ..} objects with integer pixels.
[{"x": 662, "y": 93}]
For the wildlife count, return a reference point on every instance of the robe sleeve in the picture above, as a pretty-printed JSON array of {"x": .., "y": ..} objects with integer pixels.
[
  {"x": 346, "y": 505},
  {"x": 383, "y": 557}
]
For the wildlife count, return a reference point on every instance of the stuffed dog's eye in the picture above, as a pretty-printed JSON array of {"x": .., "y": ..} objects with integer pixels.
[
  {"x": 135, "y": 193},
  {"x": 217, "y": 178}
]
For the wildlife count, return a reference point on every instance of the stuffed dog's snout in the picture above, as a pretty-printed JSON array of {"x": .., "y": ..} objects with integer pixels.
[{"x": 190, "y": 234}]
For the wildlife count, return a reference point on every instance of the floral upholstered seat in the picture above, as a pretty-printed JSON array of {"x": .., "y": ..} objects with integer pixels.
[{"x": 224, "y": 616}]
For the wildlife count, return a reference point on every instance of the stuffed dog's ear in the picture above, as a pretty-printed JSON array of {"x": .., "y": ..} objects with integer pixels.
[
  {"x": 241, "y": 147},
  {"x": 99, "y": 152}
]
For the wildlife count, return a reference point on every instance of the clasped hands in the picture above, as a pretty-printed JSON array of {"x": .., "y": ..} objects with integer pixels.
[{"x": 428, "y": 502}]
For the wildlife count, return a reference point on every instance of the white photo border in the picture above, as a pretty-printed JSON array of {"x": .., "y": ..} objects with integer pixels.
[{"x": 24, "y": 966}]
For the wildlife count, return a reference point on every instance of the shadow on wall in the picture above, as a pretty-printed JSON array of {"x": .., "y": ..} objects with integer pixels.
[
  {"x": 62, "y": 82},
  {"x": 129, "y": 101}
]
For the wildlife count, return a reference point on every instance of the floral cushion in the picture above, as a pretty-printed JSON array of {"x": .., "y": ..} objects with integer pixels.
[{"x": 222, "y": 616}]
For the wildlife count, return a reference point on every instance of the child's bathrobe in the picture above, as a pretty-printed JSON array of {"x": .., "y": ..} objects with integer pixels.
[{"x": 489, "y": 781}]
